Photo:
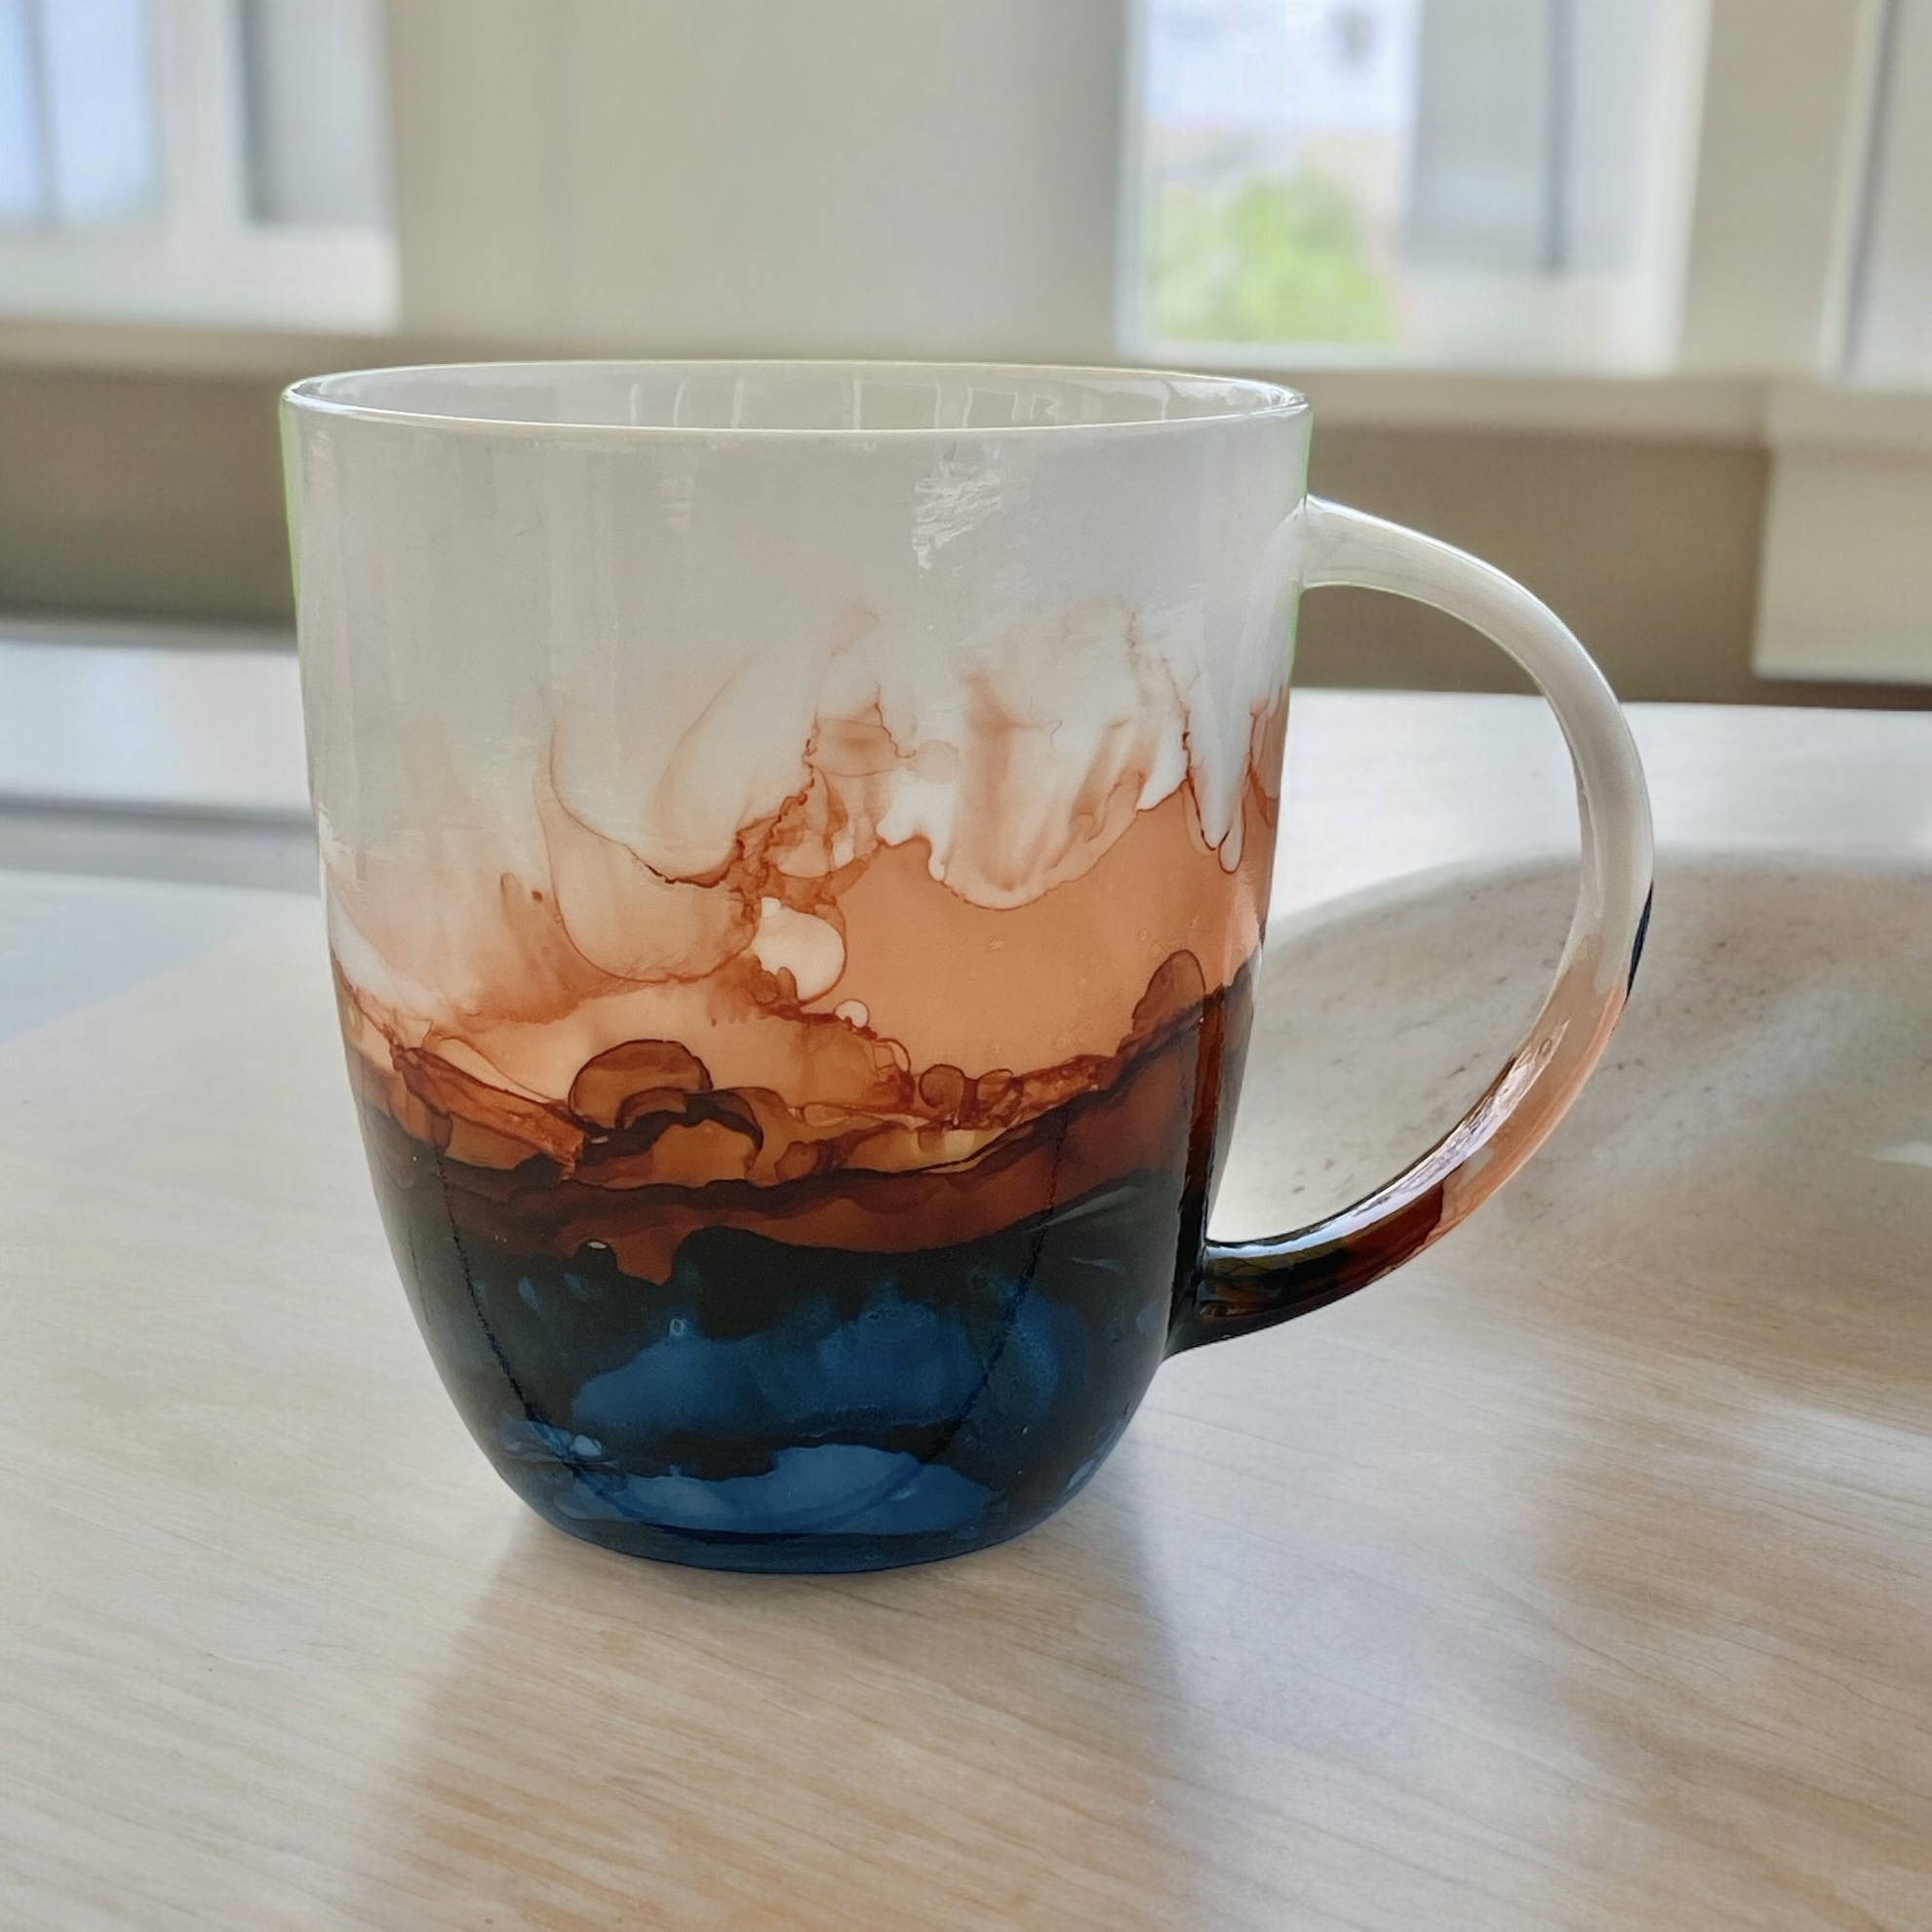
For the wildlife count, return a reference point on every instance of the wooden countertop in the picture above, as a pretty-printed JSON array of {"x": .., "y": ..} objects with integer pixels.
[{"x": 1578, "y": 1576}]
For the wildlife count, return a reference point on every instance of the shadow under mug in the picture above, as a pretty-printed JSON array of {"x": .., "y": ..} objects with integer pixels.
[{"x": 796, "y": 845}]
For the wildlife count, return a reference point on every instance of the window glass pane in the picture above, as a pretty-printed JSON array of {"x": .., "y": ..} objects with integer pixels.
[
  {"x": 22, "y": 169},
  {"x": 98, "y": 60},
  {"x": 1276, "y": 146},
  {"x": 316, "y": 153}
]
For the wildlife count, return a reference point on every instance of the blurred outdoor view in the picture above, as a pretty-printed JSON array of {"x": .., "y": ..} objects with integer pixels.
[
  {"x": 1366, "y": 174},
  {"x": 1277, "y": 153}
]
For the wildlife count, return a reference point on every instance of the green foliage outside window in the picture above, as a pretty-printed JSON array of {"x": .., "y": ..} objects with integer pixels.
[{"x": 1278, "y": 259}]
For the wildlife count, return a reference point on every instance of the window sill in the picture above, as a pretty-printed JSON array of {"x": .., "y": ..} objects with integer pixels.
[
  {"x": 145, "y": 348},
  {"x": 1693, "y": 407},
  {"x": 1674, "y": 407},
  {"x": 1774, "y": 412}
]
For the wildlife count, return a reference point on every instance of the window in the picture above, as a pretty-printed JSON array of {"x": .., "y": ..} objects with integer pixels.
[
  {"x": 1474, "y": 182},
  {"x": 212, "y": 161}
]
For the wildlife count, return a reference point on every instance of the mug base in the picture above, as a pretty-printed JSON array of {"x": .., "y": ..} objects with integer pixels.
[
  {"x": 561, "y": 1497},
  {"x": 769, "y": 1406}
]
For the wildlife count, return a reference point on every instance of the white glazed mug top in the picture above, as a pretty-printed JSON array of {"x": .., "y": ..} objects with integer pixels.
[{"x": 811, "y": 398}]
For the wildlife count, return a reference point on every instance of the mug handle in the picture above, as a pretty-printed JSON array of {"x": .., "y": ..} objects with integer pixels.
[{"x": 1250, "y": 1284}]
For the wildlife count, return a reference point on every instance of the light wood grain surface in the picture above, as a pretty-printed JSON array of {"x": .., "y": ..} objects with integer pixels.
[{"x": 1579, "y": 1576}]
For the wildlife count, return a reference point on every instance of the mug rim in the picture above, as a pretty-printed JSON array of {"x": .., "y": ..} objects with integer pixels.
[{"x": 1249, "y": 399}]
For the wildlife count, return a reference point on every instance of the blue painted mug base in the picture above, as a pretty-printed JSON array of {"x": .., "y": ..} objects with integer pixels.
[
  {"x": 883, "y": 1532},
  {"x": 782, "y": 1408}
]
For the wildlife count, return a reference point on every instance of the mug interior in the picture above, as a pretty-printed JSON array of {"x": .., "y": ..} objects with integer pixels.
[{"x": 818, "y": 398}]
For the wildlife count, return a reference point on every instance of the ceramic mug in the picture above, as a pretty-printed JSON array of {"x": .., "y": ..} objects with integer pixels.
[{"x": 796, "y": 841}]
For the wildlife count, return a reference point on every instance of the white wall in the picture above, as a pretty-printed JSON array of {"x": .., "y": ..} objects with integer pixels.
[{"x": 747, "y": 176}]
